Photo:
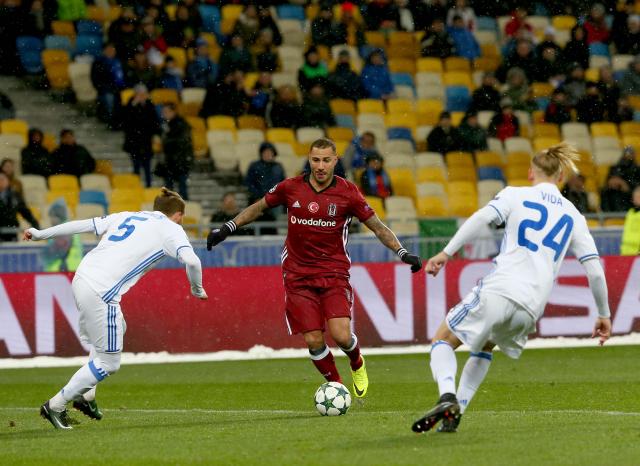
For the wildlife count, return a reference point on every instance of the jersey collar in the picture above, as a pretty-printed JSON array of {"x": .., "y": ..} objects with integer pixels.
[{"x": 307, "y": 177}]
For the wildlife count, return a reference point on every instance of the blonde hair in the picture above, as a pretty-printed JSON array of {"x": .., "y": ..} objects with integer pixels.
[
  {"x": 557, "y": 160},
  {"x": 168, "y": 202}
]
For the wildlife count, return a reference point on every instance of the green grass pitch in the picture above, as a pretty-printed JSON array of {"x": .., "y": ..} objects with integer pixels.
[{"x": 559, "y": 407}]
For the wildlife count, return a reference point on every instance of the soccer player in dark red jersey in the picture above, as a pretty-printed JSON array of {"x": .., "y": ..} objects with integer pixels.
[{"x": 315, "y": 261}]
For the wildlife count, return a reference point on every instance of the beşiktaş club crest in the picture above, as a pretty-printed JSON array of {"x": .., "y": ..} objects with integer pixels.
[
  {"x": 332, "y": 210},
  {"x": 313, "y": 207}
]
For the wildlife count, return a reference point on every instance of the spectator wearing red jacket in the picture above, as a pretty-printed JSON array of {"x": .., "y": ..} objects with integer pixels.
[
  {"x": 596, "y": 26},
  {"x": 504, "y": 125},
  {"x": 518, "y": 21}
]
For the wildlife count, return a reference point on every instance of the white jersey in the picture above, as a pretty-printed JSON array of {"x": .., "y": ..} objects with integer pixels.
[
  {"x": 131, "y": 244},
  {"x": 541, "y": 225}
]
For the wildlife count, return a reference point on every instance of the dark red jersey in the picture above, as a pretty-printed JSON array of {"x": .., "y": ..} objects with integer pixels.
[{"x": 318, "y": 229}]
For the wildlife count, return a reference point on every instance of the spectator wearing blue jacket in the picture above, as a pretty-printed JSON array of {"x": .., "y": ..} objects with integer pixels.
[
  {"x": 376, "y": 78},
  {"x": 202, "y": 70},
  {"x": 466, "y": 44},
  {"x": 171, "y": 77},
  {"x": 107, "y": 76}
]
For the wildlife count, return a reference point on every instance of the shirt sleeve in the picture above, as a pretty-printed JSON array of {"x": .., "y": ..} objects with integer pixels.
[
  {"x": 176, "y": 240},
  {"x": 582, "y": 244},
  {"x": 502, "y": 204},
  {"x": 277, "y": 195},
  {"x": 359, "y": 206},
  {"x": 102, "y": 224}
]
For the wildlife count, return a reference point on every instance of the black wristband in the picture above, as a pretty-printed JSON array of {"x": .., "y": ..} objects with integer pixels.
[
  {"x": 231, "y": 226},
  {"x": 402, "y": 252}
]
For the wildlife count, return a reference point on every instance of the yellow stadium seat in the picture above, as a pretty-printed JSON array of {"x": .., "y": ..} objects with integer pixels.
[
  {"x": 199, "y": 141},
  {"x": 430, "y": 206},
  {"x": 343, "y": 106},
  {"x": 171, "y": 11},
  {"x": 402, "y": 65},
  {"x": 104, "y": 167},
  {"x": 150, "y": 194},
  {"x": 127, "y": 195},
  {"x": 377, "y": 205},
  {"x": 197, "y": 123},
  {"x": 516, "y": 172},
  {"x": 63, "y": 183},
  {"x": 593, "y": 223},
  {"x": 251, "y": 122},
  {"x": 517, "y": 183},
  {"x": 541, "y": 89},
  {"x": 370, "y": 106},
  {"x": 54, "y": 57},
  {"x": 602, "y": 173},
  {"x": 227, "y": 26},
  {"x": 400, "y": 106},
  {"x": 126, "y": 181},
  {"x": 281, "y": 135},
  {"x": 232, "y": 11},
  {"x": 49, "y": 142},
  {"x": 604, "y": 129},
  {"x": 634, "y": 100},
  {"x": 190, "y": 109},
  {"x": 58, "y": 75},
  {"x": 375, "y": 39},
  {"x": 460, "y": 159},
  {"x": 341, "y": 147},
  {"x": 402, "y": 182},
  {"x": 461, "y": 188},
  {"x": 431, "y": 175},
  {"x": 592, "y": 74},
  {"x": 456, "y": 118},
  {"x": 488, "y": 159},
  {"x": 63, "y": 28},
  {"x": 96, "y": 13},
  {"x": 489, "y": 50},
  {"x": 339, "y": 133},
  {"x": 131, "y": 206},
  {"x": 402, "y": 38},
  {"x": 125, "y": 96},
  {"x": 614, "y": 222},
  {"x": 459, "y": 173},
  {"x": 518, "y": 158},
  {"x": 631, "y": 140},
  {"x": 179, "y": 55},
  {"x": 70, "y": 197},
  {"x": 462, "y": 206},
  {"x": 489, "y": 63},
  {"x": 15, "y": 126},
  {"x": 546, "y": 130},
  {"x": 430, "y": 105},
  {"x": 458, "y": 78},
  {"x": 406, "y": 120},
  {"x": 628, "y": 128},
  {"x": 457, "y": 64},
  {"x": 544, "y": 143},
  {"x": 430, "y": 64},
  {"x": 221, "y": 122},
  {"x": 164, "y": 96},
  {"x": 563, "y": 22}
]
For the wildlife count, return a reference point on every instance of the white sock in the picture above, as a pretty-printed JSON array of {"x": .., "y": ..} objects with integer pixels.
[
  {"x": 86, "y": 378},
  {"x": 474, "y": 372},
  {"x": 91, "y": 394},
  {"x": 444, "y": 366}
]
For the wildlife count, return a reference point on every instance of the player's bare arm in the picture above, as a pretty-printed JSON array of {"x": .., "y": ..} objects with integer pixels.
[
  {"x": 247, "y": 216},
  {"x": 389, "y": 239}
]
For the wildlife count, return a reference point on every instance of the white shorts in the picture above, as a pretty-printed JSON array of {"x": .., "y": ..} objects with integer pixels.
[
  {"x": 101, "y": 324},
  {"x": 483, "y": 317}
]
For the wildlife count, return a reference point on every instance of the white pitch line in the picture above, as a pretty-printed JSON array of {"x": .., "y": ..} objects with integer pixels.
[{"x": 284, "y": 411}]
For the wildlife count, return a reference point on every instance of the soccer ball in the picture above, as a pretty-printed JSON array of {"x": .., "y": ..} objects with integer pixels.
[{"x": 332, "y": 399}]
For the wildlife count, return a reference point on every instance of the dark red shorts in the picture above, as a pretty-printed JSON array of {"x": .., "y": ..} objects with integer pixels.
[{"x": 311, "y": 302}]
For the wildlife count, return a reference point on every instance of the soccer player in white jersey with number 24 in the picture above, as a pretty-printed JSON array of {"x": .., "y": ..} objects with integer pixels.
[
  {"x": 504, "y": 307},
  {"x": 132, "y": 243}
]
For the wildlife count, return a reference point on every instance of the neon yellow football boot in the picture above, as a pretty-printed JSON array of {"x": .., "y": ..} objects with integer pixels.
[{"x": 360, "y": 380}]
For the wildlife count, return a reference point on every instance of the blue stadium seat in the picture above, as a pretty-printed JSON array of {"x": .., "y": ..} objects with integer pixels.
[
  {"x": 89, "y": 44},
  {"x": 490, "y": 173},
  {"x": 487, "y": 23},
  {"x": 210, "y": 18},
  {"x": 94, "y": 197},
  {"x": 87, "y": 26},
  {"x": 58, "y": 43},
  {"x": 618, "y": 75},
  {"x": 291, "y": 12},
  {"x": 345, "y": 121},
  {"x": 458, "y": 98},
  {"x": 402, "y": 79},
  {"x": 400, "y": 132},
  {"x": 598, "y": 48},
  {"x": 29, "y": 49}
]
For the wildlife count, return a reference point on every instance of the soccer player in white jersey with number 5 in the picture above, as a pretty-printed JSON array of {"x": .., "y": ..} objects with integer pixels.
[
  {"x": 504, "y": 307},
  {"x": 132, "y": 243}
]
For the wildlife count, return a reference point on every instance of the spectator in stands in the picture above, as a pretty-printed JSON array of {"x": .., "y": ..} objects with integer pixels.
[
  {"x": 8, "y": 167},
  {"x": 71, "y": 10},
  {"x": 444, "y": 137},
  {"x": 505, "y": 124},
  {"x": 264, "y": 173},
  {"x": 575, "y": 85},
  {"x": 401, "y": 16},
  {"x": 261, "y": 95},
  {"x": 10, "y": 29},
  {"x": 627, "y": 169},
  {"x": 124, "y": 35},
  {"x": 623, "y": 178},
  {"x": 620, "y": 24},
  {"x": 548, "y": 40},
  {"x": 107, "y": 76},
  {"x": 624, "y": 111},
  {"x": 153, "y": 42},
  {"x": 596, "y": 25},
  {"x": 155, "y": 10},
  {"x": 473, "y": 137},
  {"x": 591, "y": 107},
  {"x": 36, "y": 160},
  {"x": 140, "y": 70},
  {"x": 7, "y": 110},
  {"x": 184, "y": 29},
  {"x": 228, "y": 211},
  {"x": 486, "y": 97},
  {"x": 12, "y": 204},
  {"x": 343, "y": 82},
  {"x": 522, "y": 57},
  {"x": 630, "y": 245},
  {"x": 375, "y": 180},
  {"x": 323, "y": 27},
  {"x": 265, "y": 53},
  {"x": 574, "y": 191},
  {"x": 361, "y": 147},
  {"x": 140, "y": 123},
  {"x": 202, "y": 71},
  {"x": 558, "y": 111},
  {"x": 178, "y": 149},
  {"x": 63, "y": 253},
  {"x": 466, "y": 44},
  {"x": 313, "y": 71},
  {"x": 38, "y": 17},
  {"x": 460, "y": 8},
  {"x": 376, "y": 78},
  {"x": 316, "y": 110},
  {"x": 630, "y": 82},
  {"x": 610, "y": 92},
  {"x": 70, "y": 157},
  {"x": 226, "y": 97},
  {"x": 518, "y": 90},
  {"x": 518, "y": 21},
  {"x": 171, "y": 76},
  {"x": 548, "y": 67},
  {"x": 425, "y": 12},
  {"x": 235, "y": 57},
  {"x": 286, "y": 111},
  {"x": 268, "y": 23},
  {"x": 437, "y": 42},
  {"x": 194, "y": 13},
  {"x": 349, "y": 30},
  {"x": 631, "y": 43},
  {"x": 248, "y": 24},
  {"x": 577, "y": 49}
]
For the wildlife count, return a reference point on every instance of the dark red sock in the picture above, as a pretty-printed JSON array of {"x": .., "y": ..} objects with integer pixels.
[
  {"x": 355, "y": 360},
  {"x": 326, "y": 365}
]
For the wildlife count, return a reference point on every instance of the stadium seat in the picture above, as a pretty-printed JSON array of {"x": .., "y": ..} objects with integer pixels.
[
  {"x": 402, "y": 79},
  {"x": 308, "y": 134},
  {"x": 164, "y": 96},
  {"x": 429, "y": 159},
  {"x": 338, "y": 133},
  {"x": 458, "y": 98},
  {"x": 563, "y": 22},
  {"x": 70, "y": 197},
  {"x": 217, "y": 136},
  {"x": 485, "y": 64},
  {"x": 461, "y": 173},
  {"x": 87, "y": 26},
  {"x": 599, "y": 49},
  {"x": 428, "y": 64},
  {"x": 517, "y": 144},
  {"x": 88, "y": 44},
  {"x": 179, "y": 55},
  {"x": 126, "y": 95},
  {"x": 402, "y": 65},
  {"x": 126, "y": 181},
  {"x": 210, "y": 15},
  {"x": 546, "y": 130},
  {"x": 604, "y": 129},
  {"x": 58, "y": 76},
  {"x": 487, "y": 23},
  {"x": 58, "y": 43},
  {"x": 572, "y": 130},
  {"x": 55, "y": 57},
  {"x": 621, "y": 62},
  {"x": 457, "y": 64},
  {"x": 280, "y": 135},
  {"x": 251, "y": 122},
  {"x": 462, "y": 206},
  {"x": 605, "y": 142},
  {"x": 460, "y": 159},
  {"x": 486, "y": 37},
  {"x": 33, "y": 183},
  {"x": 29, "y": 50},
  {"x": 402, "y": 181},
  {"x": 15, "y": 126},
  {"x": 487, "y": 190},
  {"x": 431, "y": 189},
  {"x": 400, "y": 106},
  {"x": 124, "y": 195},
  {"x": 400, "y": 207},
  {"x": 488, "y": 159},
  {"x": 63, "y": 28},
  {"x": 431, "y": 175},
  {"x": 490, "y": 173},
  {"x": 377, "y": 205},
  {"x": 221, "y": 122},
  {"x": 431, "y": 206},
  {"x": 88, "y": 210},
  {"x": 629, "y": 128},
  {"x": 95, "y": 197},
  {"x": 343, "y": 106},
  {"x": 370, "y": 106},
  {"x": 125, "y": 206},
  {"x": 250, "y": 135},
  {"x": 95, "y": 182}
]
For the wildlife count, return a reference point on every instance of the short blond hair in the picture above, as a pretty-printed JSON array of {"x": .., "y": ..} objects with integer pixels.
[
  {"x": 557, "y": 160},
  {"x": 168, "y": 202}
]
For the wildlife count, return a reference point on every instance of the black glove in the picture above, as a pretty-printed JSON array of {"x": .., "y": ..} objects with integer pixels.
[
  {"x": 414, "y": 261},
  {"x": 218, "y": 235}
]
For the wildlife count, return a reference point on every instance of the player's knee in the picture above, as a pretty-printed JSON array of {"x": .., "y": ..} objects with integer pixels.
[
  {"x": 488, "y": 347},
  {"x": 314, "y": 340},
  {"x": 109, "y": 362},
  {"x": 342, "y": 338}
]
